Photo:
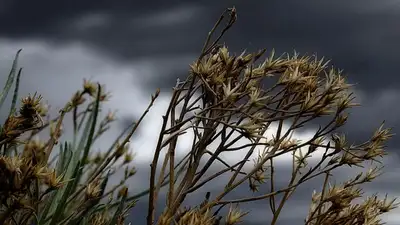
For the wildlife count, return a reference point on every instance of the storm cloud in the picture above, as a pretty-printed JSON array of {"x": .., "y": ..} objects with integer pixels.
[{"x": 136, "y": 46}]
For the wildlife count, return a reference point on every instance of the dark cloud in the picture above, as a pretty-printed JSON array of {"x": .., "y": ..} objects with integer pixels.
[
  {"x": 359, "y": 36},
  {"x": 127, "y": 29}
]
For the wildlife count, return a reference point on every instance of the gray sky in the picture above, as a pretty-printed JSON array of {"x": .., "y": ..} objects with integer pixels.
[{"x": 135, "y": 47}]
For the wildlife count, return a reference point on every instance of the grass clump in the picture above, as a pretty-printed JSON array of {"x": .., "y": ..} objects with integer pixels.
[{"x": 223, "y": 100}]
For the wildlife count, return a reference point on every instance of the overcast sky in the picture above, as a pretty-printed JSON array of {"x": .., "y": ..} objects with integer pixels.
[{"x": 136, "y": 46}]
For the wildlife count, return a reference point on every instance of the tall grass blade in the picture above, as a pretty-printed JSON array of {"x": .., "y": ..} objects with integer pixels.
[
  {"x": 10, "y": 80},
  {"x": 60, "y": 206},
  {"x": 15, "y": 96}
]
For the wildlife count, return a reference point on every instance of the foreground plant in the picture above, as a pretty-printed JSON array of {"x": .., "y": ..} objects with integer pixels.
[
  {"x": 71, "y": 187},
  {"x": 224, "y": 101},
  {"x": 224, "y": 104}
]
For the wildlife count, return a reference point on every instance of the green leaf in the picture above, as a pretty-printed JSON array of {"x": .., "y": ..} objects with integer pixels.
[
  {"x": 10, "y": 80},
  {"x": 88, "y": 135},
  {"x": 93, "y": 127},
  {"x": 103, "y": 185},
  {"x": 60, "y": 206},
  {"x": 93, "y": 203},
  {"x": 43, "y": 215},
  {"x": 15, "y": 97},
  {"x": 71, "y": 170},
  {"x": 118, "y": 212},
  {"x": 64, "y": 159}
]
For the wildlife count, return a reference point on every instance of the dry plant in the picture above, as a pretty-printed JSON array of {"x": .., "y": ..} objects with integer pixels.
[
  {"x": 69, "y": 188},
  {"x": 223, "y": 101}
]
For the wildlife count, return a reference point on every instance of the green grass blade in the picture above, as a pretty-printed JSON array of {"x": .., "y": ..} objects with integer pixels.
[
  {"x": 89, "y": 134},
  {"x": 75, "y": 158},
  {"x": 121, "y": 205},
  {"x": 93, "y": 204},
  {"x": 61, "y": 158},
  {"x": 10, "y": 80},
  {"x": 46, "y": 210},
  {"x": 60, "y": 206},
  {"x": 64, "y": 158},
  {"x": 15, "y": 96},
  {"x": 93, "y": 126},
  {"x": 63, "y": 161},
  {"x": 60, "y": 193},
  {"x": 103, "y": 185}
]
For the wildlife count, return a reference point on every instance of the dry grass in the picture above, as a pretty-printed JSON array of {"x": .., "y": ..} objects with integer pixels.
[{"x": 222, "y": 100}]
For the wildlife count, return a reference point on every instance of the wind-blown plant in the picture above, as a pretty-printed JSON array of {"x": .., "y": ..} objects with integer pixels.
[
  {"x": 223, "y": 100},
  {"x": 34, "y": 189}
]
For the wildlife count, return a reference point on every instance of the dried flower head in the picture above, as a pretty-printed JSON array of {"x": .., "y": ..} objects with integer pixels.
[
  {"x": 93, "y": 190},
  {"x": 89, "y": 88},
  {"x": 234, "y": 216},
  {"x": 31, "y": 105},
  {"x": 123, "y": 192}
]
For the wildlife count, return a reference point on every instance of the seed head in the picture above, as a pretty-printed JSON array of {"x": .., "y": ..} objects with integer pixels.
[
  {"x": 234, "y": 216},
  {"x": 89, "y": 88},
  {"x": 93, "y": 190},
  {"x": 31, "y": 106},
  {"x": 123, "y": 192},
  {"x": 128, "y": 158},
  {"x": 77, "y": 99}
]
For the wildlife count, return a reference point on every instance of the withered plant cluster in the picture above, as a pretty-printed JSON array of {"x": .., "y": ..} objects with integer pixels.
[
  {"x": 70, "y": 187},
  {"x": 224, "y": 100}
]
